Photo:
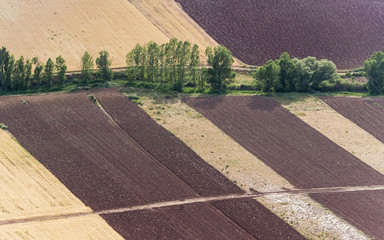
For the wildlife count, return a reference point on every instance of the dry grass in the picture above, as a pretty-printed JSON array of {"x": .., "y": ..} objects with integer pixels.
[
  {"x": 84, "y": 228},
  {"x": 28, "y": 190},
  {"x": 307, "y": 216},
  {"x": 339, "y": 129}
]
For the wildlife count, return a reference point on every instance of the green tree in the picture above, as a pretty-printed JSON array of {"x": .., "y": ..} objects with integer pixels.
[
  {"x": 288, "y": 73},
  {"x": 152, "y": 59},
  {"x": 28, "y": 73},
  {"x": 4, "y": 64},
  {"x": 87, "y": 66},
  {"x": 134, "y": 66},
  {"x": 61, "y": 68},
  {"x": 37, "y": 72},
  {"x": 104, "y": 65},
  {"x": 194, "y": 64},
  {"x": 221, "y": 74},
  {"x": 268, "y": 77},
  {"x": 374, "y": 69},
  {"x": 49, "y": 72},
  {"x": 9, "y": 72}
]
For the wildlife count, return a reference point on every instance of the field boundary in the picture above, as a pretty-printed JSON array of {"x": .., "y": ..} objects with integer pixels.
[{"x": 189, "y": 201}]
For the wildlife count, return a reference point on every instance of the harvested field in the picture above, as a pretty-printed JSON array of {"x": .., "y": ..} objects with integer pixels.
[
  {"x": 289, "y": 146},
  {"x": 226, "y": 155},
  {"x": 346, "y": 32},
  {"x": 363, "y": 112},
  {"x": 87, "y": 228},
  {"x": 107, "y": 169},
  {"x": 46, "y": 29},
  {"x": 339, "y": 129},
  {"x": 292, "y": 148},
  {"x": 364, "y": 209}
]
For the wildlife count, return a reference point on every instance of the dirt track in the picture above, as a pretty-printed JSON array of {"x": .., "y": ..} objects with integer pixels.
[
  {"x": 296, "y": 151},
  {"x": 106, "y": 168}
]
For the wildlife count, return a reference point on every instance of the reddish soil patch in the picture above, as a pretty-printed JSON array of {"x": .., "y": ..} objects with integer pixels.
[
  {"x": 202, "y": 221},
  {"x": 364, "y": 209},
  {"x": 346, "y": 32},
  {"x": 363, "y": 112},
  {"x": 292, "y": 148},
  {"x": 164, "y": 146}
]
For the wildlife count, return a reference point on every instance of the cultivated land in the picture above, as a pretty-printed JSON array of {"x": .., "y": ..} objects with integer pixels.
[
  {"x": 255, "y": 121},
  {"x": 107, "y": 167},
  {"x": 28, "y": 190},
  {"x": 346, "y": 32},
  {"x": 218, "y": 149},
  {"x": 46, "y": 29}
]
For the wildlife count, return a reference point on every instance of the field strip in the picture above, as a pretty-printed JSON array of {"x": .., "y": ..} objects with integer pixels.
[
  {"x": 197, "y": 200},
  {"x": 338, "y": 128}
]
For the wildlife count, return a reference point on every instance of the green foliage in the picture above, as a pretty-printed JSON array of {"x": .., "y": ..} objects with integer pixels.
[
  {"x": 104, "y": 65},
  {"x": 48, "y": 72},
  {"x": 3, "y": 126},
  {"x": 87, "y": 66},
  {"x": 37, "y": 72},
  {"x": 285, "y": 75},
  {"x": 221, "y": 74},
  {"x": 61, "y": 69},
  {"x": 374, "y": 69}
]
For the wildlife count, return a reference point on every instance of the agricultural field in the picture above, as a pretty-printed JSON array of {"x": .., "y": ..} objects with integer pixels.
[
  {"x": 47, "y": 29},
  {"x": 288, "y": 145},
  {"x": 345, "y": 32},
  {"x": 88, "y": 144},
  {"x": 22, "y": 175}
]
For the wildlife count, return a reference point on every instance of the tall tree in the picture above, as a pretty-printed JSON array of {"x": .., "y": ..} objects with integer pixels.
[
  {"x": 87, "y": 66},
  {"x": 221, "y": 60},
  {"x": 61, "y": 68},
  {"x": 104, "y": 65},
  {"x": 4, "y": 62},
  {"x": 153, "y": 51},
  {"x": 37, "y": 72},
  {"x": 49, "y": 72},
  {"x": 194, "y": 64},
  {"x": 268, "y": 77},
  {"x": 28, "y": 73},
  {"x": 288, "y": 73}
]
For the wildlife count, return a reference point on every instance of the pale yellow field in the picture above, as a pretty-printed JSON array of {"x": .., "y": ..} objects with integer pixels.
[
  {"x": 339, "y": 129},
  {"x": 84, "y": 228},
  {"x": 29, "y": 190},
  {"x": 49, "y": 28},
  {"x": 305, "y": 215}
]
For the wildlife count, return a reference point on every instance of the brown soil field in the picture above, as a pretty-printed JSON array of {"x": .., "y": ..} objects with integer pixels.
[
  {"x": 87, "y": 228},
  {"x": 106, "y": 168},
  {"x": 363, "y": 112},
  {"x": 293, "y": 149},
  {"x": 46, "y": 29},
  {"x": 364, "y": 209},
  {"x": 306, "y": 215},
  {"x": 346, "y": 32},
  {"x": 336, "y": 127}
]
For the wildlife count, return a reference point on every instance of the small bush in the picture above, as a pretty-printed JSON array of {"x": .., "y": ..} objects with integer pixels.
[{"x": 3, "y": 126}]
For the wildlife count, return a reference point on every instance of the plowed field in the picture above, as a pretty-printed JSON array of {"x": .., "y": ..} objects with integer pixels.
[
  {"x": 346, "y": 32},
  {"x": 364, "y": 112},
  {"x": 106, "y": 168},
  {"x": 294, "y": 150}
]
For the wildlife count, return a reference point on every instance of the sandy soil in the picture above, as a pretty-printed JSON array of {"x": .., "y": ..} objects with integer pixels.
[
  {"x": 28, "y": 190},
  {"x": 305, "y": 215},
  {"x": 339, "y": 129},
  {"x": 85, "y": 228},
  {"x": 69, "y": 28}
]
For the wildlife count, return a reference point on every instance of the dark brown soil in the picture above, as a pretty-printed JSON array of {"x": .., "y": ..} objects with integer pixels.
[
  {"x": 346, "y": 32},
  {"x": 365, "y": 210},
  {"x": 203, "y": 221},
  {"x": 292, "y": 148},
  {"x": 364, "y": 112}
]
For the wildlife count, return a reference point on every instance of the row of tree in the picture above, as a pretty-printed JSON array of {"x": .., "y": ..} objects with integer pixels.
[
  {"x": 23, "y": 73},
  {"x": 177, "y": 64},
  {"x": 287, "y": 75},
  {"x": 374, "y": 70}
]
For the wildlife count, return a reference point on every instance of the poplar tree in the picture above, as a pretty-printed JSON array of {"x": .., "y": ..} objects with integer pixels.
[{"x": 87, "y": 66}]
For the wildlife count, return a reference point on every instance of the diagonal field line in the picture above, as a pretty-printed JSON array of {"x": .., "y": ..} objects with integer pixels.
[{"x": 198, "y": 200}]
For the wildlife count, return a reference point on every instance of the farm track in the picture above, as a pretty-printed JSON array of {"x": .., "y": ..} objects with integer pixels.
[
  {"x": 107, "y": 169},
  {"x": 346, "y": 32},
  {"x": 297, "y": 152},
  {"x": 189, "y": 201}
]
